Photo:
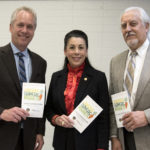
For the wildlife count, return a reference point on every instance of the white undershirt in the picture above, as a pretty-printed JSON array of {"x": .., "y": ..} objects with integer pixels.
[{"x": 139, "y": 61}]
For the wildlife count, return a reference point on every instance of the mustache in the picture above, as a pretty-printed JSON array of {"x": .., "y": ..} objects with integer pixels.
[{"x": 129, "y": 34}]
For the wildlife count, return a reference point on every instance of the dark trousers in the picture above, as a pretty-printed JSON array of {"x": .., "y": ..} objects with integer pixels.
[
  {"x": 70, "y": 145},
  {"x": 19, "y": 145},
  {"x": 129, "y": 140},
  {"x": 70, "y": 141}
]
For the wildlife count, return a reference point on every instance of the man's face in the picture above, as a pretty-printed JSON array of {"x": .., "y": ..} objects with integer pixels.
[
  {"x": 133, "y": 29},
  {"x": 22, "y": 30}
]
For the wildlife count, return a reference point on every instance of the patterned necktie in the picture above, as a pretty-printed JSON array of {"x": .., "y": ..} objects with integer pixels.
[
  {"x": 129, "y": 79},
  {"x": 22, "y": 72}
]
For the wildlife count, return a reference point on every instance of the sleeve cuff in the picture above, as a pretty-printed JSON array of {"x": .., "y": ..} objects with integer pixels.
[{"x": 53, "y": 119}]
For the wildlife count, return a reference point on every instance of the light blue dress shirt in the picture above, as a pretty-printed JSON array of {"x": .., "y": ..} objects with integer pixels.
[{"x": 27, "y": 61}]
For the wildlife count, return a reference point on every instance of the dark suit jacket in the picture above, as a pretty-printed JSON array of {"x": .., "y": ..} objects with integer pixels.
[
  {"x": 10, "y": 96},
  {"x": 96, "y": 134}
]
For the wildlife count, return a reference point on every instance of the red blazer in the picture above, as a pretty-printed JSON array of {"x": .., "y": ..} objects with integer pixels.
[
  {"x": 96, "y": 134},
  {"x": 10, "y": 96}
]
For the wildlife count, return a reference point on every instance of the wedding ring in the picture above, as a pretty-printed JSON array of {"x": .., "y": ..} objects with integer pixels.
[{"x": 62, "y": 123}]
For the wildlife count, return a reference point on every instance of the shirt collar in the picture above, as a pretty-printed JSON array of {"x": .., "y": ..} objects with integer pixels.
[{"x": 16, "y": 50}]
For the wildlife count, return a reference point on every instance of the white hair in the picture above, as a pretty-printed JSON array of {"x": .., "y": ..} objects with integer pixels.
[
  {"x": 143, "y": 15},
  {"x": 24, "y": 8}
]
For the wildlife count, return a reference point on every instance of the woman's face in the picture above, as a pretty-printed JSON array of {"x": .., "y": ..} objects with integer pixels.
[{"x": 76, "y": 51}]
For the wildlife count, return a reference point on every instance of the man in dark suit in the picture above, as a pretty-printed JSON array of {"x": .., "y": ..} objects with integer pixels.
[
  {"x": 17, "y": 132},
  {"x": 135, "y": 135}
]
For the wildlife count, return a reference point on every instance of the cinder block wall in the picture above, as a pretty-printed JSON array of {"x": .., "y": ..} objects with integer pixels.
[{"x": 100, "y": 19}]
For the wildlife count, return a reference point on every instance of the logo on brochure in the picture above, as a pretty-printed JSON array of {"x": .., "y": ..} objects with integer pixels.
[
  {"x": 87, "y": 110},
  {"x": 120, "y": 104},
  {"x": 33, "y": 94}
]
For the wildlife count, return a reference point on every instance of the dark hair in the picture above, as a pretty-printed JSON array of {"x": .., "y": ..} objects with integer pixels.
[{"x": 75, "y": 33}]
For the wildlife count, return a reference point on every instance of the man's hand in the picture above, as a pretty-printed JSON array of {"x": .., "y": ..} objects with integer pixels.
[
  {"x": 14, "y": 114},
  {"x": 39, "y": 142},
  {"x": 116, "y": 145},
  {"x": 134, "y": 120}
]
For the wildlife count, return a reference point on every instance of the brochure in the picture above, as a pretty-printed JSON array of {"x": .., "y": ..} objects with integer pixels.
[
  {"x": 85, "y": 113},
  {"x": 33, "y": 98},
  {"x": 121, "y": 106}
]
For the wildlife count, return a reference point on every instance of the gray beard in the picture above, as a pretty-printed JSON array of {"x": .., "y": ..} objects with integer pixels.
[{"x": 133, "y": 44}]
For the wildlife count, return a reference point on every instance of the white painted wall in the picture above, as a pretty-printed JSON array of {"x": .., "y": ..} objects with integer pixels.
[{"x": 100, "y": 19}]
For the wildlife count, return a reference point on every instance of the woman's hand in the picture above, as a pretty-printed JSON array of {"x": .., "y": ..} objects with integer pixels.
[{"x": 64, "y": 121}]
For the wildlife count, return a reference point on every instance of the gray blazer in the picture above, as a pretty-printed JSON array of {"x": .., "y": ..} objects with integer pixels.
[{"x": 142, "y": 99}]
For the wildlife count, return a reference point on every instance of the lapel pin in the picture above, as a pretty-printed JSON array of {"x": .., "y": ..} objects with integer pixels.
[{"x": 85, "y": 79}]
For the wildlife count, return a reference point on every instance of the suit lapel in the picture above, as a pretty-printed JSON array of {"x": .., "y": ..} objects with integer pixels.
[
  {"x": 34, "y": 66},
  {"x": 63, "y": 86},
  {"x": 84, "y": 81},
  {"x": 120, "y": 70},
  {"x": 9, "y": 61},
  {"x": 144, "y": 78},
  {"x": 62, "y": 80}
]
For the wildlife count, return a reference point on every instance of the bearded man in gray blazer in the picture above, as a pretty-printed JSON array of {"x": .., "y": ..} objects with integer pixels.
[
  {"x": 17, "y": 132},
  {"x": 135, "y": 135}
]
